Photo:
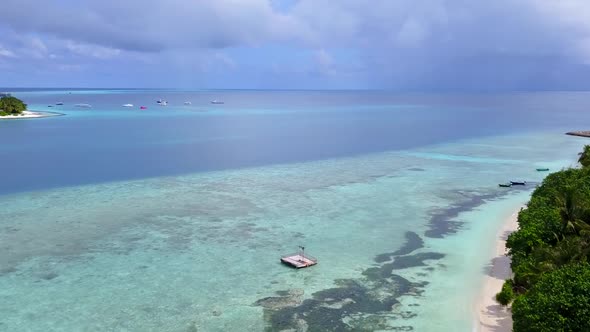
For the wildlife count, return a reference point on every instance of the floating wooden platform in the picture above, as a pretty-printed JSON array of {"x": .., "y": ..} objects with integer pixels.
[{"x": 299, "y": 261}]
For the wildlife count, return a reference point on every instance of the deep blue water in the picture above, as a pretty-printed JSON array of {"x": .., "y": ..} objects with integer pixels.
[
  {"x": 200, "y": 251},
  {"x": 252, "y": 128}
]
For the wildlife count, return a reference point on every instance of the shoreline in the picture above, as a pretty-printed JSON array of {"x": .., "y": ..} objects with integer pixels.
[
  {"x": 30, "y": 115},
  {"x": 491, "y": 316}
]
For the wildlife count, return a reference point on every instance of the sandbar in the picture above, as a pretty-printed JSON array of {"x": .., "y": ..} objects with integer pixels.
[{"x": 29, "y": 115}]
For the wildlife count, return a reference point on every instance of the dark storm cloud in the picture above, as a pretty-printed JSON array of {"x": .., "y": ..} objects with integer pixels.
[
  {"x": 150, "y": 25},
  {"x": 401, "y": 44}
]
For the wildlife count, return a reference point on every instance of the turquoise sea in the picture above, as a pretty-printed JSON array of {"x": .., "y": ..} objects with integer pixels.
[{"x": 174, "y": 218}]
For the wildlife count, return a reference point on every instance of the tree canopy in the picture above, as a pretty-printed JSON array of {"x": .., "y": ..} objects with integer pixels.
[
  {"x": 11, "y": 106},
  {"x": 559, "y": 301},
  {"x": 551, "y": 285},
  {"x": 585, "y": 156}
]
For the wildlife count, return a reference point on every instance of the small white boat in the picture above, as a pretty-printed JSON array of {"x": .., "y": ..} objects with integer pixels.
[
  {"x": 83, "y": 105},
  {"x": 128, "y": 105},
  {"x": 162, "y": 102},
  {"x": 188, "y": 103},
  {"x": 215, "y": 101}
]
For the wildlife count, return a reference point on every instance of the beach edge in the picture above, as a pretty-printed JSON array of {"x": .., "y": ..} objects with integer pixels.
[
  {"x": 31, "y": 115},
  {"x": 490, "y": 315}
]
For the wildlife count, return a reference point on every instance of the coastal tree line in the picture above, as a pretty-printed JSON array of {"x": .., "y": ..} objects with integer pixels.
[
  {"x": 550, "y": 290},
  {"x": 11, "y": 106}
]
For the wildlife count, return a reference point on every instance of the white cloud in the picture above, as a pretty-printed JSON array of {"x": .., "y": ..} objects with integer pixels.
[
  {"x": 324, "y": 62},
  {"x": 225, "y": 60},
  {"x": 323, "y": 58},
  {"x": 412, "y": 33},
  {"x": 35, "y": 48},
  {"x": 571, "y": 19},
  {"x": 452, "y": 27},
  {"x": 94, "y": 51},
  {"x": 153, "y": 25},
  {"x": 6, "y": 53},
  {"x": 69, "y": 67},
  {"x": 38, "y": 45},
  {"x": 398, "y": 40}
]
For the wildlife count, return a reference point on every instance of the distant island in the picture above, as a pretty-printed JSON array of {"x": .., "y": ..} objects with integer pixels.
[
  {"x": 10, "y": 105},
  {"x": 14, "y": 108}
]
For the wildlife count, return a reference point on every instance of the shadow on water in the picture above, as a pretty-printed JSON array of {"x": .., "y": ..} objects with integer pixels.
[{"x": 444, "y": 221}]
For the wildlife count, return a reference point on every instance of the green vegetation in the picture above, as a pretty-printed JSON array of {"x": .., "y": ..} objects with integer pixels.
[
  {"x": 559, "y": 301},
  {"x": 585, "y": 156},
  {"x": 506, "y": 295},
  {"x": 550, "y": 290},
  {"x": 11, "y": 106}
]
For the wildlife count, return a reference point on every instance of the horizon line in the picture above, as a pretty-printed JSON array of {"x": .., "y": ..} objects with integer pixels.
[{"x": 412, "y": 91}]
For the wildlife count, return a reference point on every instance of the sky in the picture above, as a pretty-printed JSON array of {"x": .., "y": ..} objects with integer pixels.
[{"x": 405, "y": 45}]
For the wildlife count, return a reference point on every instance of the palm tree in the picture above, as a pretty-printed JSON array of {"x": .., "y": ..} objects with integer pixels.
[
  {"x": 585, "y": 156},
  {"x": 574, "y": 210}
]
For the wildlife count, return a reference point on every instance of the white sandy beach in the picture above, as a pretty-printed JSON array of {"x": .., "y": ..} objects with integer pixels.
[
  {"x": 28, "y": 115},
  {"x": 490, "y": 314}
]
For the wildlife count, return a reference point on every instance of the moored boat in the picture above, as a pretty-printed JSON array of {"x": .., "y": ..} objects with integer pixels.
[
  {"x": 215, "y": 101},
  {"x": 505, "y": 185},
  {"x": 543, "y": 169},
  {"x": 128, "y": 105},
  {"x": 518, "y": 183}
]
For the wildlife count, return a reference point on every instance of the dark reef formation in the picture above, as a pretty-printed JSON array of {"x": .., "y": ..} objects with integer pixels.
[{"x": 362, "y": 304}]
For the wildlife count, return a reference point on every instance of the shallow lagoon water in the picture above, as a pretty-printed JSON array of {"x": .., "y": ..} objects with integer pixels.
[{"x": 403, "y": 237}]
